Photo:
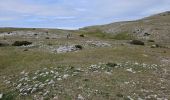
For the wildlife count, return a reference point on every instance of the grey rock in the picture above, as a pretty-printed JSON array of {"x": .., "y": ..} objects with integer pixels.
[
  {"x": 41, "y": 86},
  {"x": 80, "y": 97},
  {"x": 1, "y": 95},
  {"x": 51, "y": 82},
  {"x": 46, "y": 93},
  {"x": 33, "y": 90},
  {"x": 19, "y": 85},
  {"x": 66, "y": 76}
]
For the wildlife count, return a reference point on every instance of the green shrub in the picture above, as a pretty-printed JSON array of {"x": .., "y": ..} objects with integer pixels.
[
  {"x": 79, "y": 47},
  {"x": 123, "y": 36},
  {"x": 111, "y": 64},
  {"x": 81, "y": 35},
  {"x": 151, "y": 41},
  {"x": 21, "y": 43},
  {"x": 47, "y": 38},
  {"x": 98, "y": 33},
  {"x": 137, "y": 42}
]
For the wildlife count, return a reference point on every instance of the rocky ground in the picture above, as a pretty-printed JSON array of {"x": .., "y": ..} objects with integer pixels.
[{"x": 57, "y": 67}]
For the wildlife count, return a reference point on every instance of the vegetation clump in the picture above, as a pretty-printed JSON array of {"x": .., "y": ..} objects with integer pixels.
[
  {"x": 123, "y": 36},
  {"x": 21, "y": 43},
  {"x": 47, "y": 38},
  {"x": 151, "y": 41},
  {"x": 81, "y": 35},
  {"x": 111, "y": 64},
  {"x": 79, "y": 47},
  {"x": 137, "y": 42},
  {"x": 147, "y": 34}
]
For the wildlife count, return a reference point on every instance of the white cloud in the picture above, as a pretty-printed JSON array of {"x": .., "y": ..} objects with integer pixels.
[{"x": 78, "y": 12}]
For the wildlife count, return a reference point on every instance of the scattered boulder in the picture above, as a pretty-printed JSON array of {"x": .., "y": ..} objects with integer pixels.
[
  {"x": 155, "y": 46},
  {"x": 98, "y": 44},
  {"x": 64, "y": 49},
  {"x": 21, "y": 43},
  {"x": 137, "y": 42},
  {"x": 1, "y": 95},
  {"x": 80, "y": 97}
]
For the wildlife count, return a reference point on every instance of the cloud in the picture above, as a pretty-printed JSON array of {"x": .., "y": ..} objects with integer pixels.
[{"x": 75, "y": 13}]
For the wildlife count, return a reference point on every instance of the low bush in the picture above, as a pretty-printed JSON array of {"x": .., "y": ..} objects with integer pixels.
[
  {"x": 137, "y": 42},
  {"x": 21, "y": 43},
  {"x": 47, "y": 38},
  {"x": 81, "y": 35},
  {"x": 111, "y": 64},
  {"x": 147, "y": 34},
  {"x": 151, "y": 41},
  {"x": 79, "y": 47}
]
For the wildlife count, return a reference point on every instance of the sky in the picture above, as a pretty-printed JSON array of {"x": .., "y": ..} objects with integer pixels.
[{"x": 73, "y": 14}]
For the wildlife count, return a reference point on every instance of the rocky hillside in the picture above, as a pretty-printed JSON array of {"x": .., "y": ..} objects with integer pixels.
[{"x": 155, "y": 27}]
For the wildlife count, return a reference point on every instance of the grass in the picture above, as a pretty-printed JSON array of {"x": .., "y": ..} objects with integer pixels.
[
  {"x": 98, "y": 33},
  {"x": 123, "y": 36},
  {"x": 99, "y": 85},
  {"x": 103, "y": 35}
]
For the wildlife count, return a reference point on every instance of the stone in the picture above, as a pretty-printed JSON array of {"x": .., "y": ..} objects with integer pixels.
[
  {"x": 34, "y": 78},
  {"x": 23, "y": 72},
  {"x": 33, "y": 90},
  {"x": 41, "y": 86},
  {"x": 65, "y": 76},
  {"x": 19, "y": 85},
  {"x": 129, "y": 70},
  {"x": 64, "y": 49},
  {"x": 59, "y": 79},
  {"x": 7, "y": 82},
  {"x": 55, "y": 98},
  {"x": 51, "y": 82},
  {"x": 1, "y": 95},
  {"x": 46, "y": 93},
  {"x": 80, "y": 97}
]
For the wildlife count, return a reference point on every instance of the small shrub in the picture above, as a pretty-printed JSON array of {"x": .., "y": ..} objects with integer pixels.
[
  {"x": 21, "y": 43},
  {"x": 111, "y": 64},
  {"x": 47, "y": 38},
  {"x": 146, "y": 34},
  {"x": 79, "y": 47},
  {"x": 151, "y": 41},
  {"x": 137, "y": 42},
  {"x": 81, "y": 35}
]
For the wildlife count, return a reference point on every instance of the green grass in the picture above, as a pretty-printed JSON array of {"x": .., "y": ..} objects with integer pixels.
[
  {"x": 98, "y": 33},
  {"x": 14, "y": 60},
  {"x": 123, "y": 36}
]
